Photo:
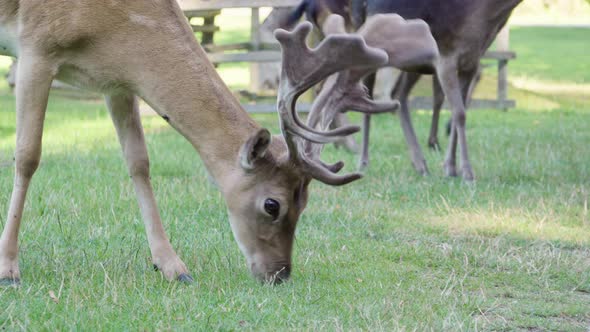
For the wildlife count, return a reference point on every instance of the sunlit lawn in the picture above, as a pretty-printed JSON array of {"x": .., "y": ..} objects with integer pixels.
[{"x": 392, "y": 251}]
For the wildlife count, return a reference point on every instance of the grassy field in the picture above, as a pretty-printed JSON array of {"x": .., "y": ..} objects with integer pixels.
[{"x": 394, "y": 251}]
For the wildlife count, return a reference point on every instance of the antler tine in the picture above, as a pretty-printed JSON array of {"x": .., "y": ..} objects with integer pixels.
[
  {"x": 303, "y": 67},
  {"x": 327, "y": 173}
]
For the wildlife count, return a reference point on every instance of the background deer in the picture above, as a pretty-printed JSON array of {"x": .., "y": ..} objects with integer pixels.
[
  {"x": 463, "y": 31},
  {"x": 125, "y": 49}
]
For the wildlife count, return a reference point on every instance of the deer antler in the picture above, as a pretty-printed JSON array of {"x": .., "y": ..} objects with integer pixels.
[
  {"x": 408, "y": 43},
  {"x": 301, "y": 69},
  {"x": 409, "y": 46}
]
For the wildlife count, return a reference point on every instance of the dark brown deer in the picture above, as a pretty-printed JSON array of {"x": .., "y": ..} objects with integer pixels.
[{"x": 463, "y": 30}]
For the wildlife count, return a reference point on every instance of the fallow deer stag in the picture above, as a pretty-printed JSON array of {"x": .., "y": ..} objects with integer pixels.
[{"x": 125, "y": 49}]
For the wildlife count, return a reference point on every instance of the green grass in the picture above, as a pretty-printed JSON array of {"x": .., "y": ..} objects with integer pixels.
[
  {"x": 540, "y": 48},
  {"x": 394, "y": 251}
]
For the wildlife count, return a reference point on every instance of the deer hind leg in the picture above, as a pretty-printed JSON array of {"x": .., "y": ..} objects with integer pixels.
[
  {"x": 125, "y": 115},
  {"x": 456, "y": 86},
  {"x": 438, "y": 98},
  {"x": 33, "y": 81},
  {"x": 401, "y": 91}
]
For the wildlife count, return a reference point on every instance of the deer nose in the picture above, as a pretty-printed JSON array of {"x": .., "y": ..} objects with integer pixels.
[
  {"x": 280, "y": 275},
  {"x": 284, "y": 273}
]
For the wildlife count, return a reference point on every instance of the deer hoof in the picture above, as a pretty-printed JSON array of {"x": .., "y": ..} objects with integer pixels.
[
  {"x": 185, "y": 278},
  {"x": 468, "y": 175},
  {"x": 363, "y": 165},
  {"x": 434, "y": 146},
  {"x": 450, "y": 171},
  {"x": 421, "y": 168},
  {"x": 9, "y": 282}
]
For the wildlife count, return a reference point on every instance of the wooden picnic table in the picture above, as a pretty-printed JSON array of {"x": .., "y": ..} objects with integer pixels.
[{"x": 252, "y": 51}]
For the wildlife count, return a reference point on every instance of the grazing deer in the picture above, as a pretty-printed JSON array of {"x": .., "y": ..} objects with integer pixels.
[
  {"x": 463, "y": 31},
  {"x": 130, "y": 49}
]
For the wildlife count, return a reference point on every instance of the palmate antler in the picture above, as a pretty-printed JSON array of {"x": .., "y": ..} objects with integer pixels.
[
  {"x": 301, "y": 69},
  {"x": 344, "y": 91},
  {"x": 409, "y": 46}
]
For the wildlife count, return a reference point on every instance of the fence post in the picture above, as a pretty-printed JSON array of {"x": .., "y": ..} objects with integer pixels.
[
  {"x": 503, "y": 44},
  {"x": 265, "y": 75},
  {"x": 255, "y": 40}
]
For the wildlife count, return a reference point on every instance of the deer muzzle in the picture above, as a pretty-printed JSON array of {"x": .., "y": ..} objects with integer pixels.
[{"x": 273, "y": 274}]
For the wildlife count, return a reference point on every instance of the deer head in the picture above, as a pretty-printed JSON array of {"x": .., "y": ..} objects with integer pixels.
[{"x": 268, "y": 194}]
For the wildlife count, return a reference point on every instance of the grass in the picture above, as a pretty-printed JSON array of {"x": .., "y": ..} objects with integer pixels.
[
  {"x": 540, "y": 53},
  {"x": 394, "y": 251}
]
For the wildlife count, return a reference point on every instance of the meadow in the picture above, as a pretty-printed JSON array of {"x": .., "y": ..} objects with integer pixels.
[{"x": 393, "y": 251}]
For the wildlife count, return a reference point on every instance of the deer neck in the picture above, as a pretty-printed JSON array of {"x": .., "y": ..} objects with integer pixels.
[{"x": 192, "y": 98}]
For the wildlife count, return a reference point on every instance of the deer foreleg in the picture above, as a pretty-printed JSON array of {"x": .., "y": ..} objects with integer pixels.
[
  {"x": 456, "y": 94},
  {"x": 404, "y": 85},
  {"x": 125, "y": 115},
  {"x": 438, "y": 98},
  {"x": 34, "y": 79}
]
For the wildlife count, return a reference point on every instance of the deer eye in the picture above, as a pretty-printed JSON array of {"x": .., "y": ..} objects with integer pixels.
[{"x": 272, "y": 207}]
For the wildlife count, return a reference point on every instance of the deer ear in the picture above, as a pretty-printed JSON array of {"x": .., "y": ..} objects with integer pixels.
[{"x": 254, "y": 149}]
